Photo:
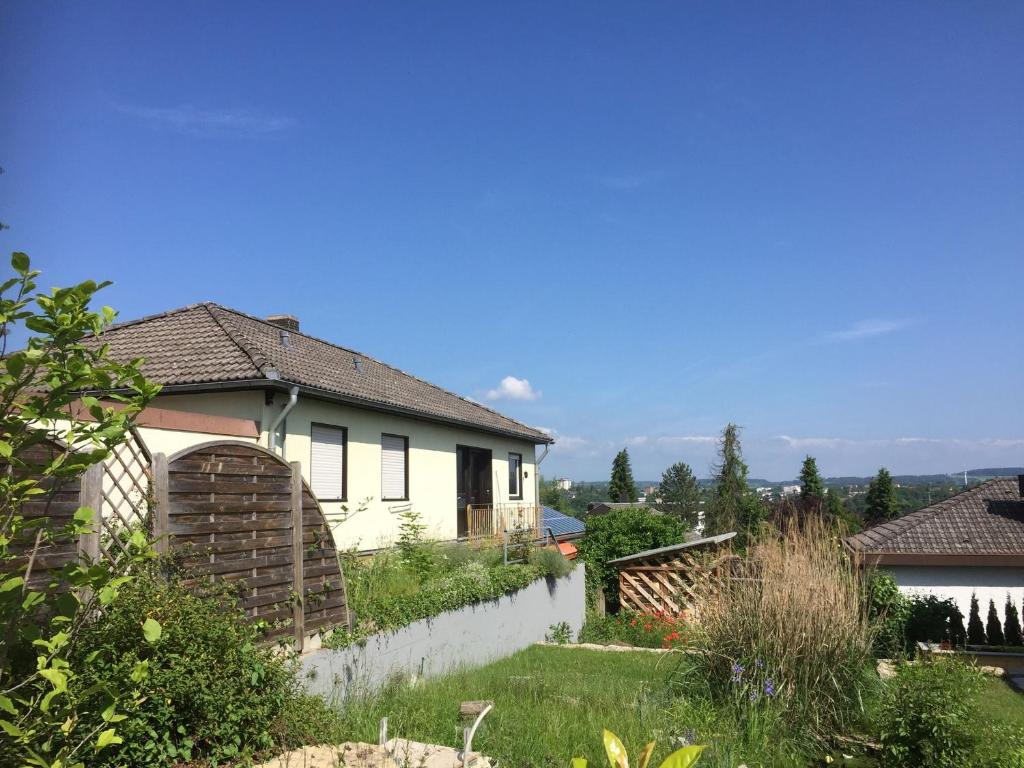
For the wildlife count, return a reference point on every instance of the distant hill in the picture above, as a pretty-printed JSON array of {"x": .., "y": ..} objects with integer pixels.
[{"x": 996, "y": 472}]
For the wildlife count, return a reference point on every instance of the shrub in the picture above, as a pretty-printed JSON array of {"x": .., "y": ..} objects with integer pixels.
[
  {"x": 1013, "y": 631},
  {"x": 550, "y": 562},
  {"x": 929, "y": 716},
  {"x": 889, "y": 612},
  {"x": 793, "y": 604},
  {"x": 636, "y": 629},
  {"x": 934, "y": 619},
  {"x": 975, "y": 629},
  {"x": 993, "y": 628},
  {"x": 208, "y": 691},
  {"x": 619, "y": 533}
]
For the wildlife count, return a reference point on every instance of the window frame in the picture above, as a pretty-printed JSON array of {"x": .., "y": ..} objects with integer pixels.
[
  {"x": 405, "y": 440},
  {"x": 344, "y": 459},
  {"x": 519, "y": 480}
]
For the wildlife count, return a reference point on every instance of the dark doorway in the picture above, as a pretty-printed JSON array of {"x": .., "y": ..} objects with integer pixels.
[{"x": 473, "y": 484}]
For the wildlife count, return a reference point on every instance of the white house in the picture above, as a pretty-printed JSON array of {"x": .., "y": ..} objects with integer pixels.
[
  {"x": 371, "y": 439},
  {"x": 972, "y": 543}
]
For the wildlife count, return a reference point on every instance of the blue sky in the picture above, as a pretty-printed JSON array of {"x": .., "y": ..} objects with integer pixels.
[{"x": 807, "y": 218}]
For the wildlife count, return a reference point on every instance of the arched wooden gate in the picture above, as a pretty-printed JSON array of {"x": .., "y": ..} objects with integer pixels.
[{"x": 241, "y": 513}]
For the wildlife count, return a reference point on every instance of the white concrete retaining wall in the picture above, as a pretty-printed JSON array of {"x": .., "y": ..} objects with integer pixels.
[
  {"x": 467, "y": 637},
  {"x": 960, "y": 582}
]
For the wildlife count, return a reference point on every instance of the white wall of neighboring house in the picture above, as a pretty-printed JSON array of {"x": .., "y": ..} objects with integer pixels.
[
  {"x": 960, "y": 582},
  {"x": 370, "y": 522}
]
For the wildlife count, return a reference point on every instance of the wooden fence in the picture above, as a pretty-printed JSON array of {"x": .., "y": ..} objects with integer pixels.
[
  {"x": 665, "y": 583},
  {"x": 491, "y": 520},
  {"x": 233, "y": 512}
]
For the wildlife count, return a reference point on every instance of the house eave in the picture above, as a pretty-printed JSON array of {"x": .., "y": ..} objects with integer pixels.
[
  {"x": 988, "y": 560},
  {"x": 279, "y": 385}
]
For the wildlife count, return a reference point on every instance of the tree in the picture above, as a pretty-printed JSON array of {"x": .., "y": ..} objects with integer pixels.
[
  {"x": 811, "y": 486},
  {"x": 550, "y": 495},
  {"x": 44, "y": 706},
  {"x": 622, "y": 488},
  {"x": 993, "y": 628},
  {"x": 679, "y": 489},
  {"x": 881, "y": 504},
  {"x": 1011, "y": 626},
  {"x": 733, "y": 504},
  {"x": 975, "y": 629}
]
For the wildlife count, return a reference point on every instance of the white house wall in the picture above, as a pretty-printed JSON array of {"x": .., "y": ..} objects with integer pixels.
[
  {"x": 960, "y": 582},
  {"x": 432, "y": 464}
]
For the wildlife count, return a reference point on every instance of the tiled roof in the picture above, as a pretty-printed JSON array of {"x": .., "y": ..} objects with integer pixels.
[
  {"x": 985, "y": 520},
  {"x": 210, "y": 344}
]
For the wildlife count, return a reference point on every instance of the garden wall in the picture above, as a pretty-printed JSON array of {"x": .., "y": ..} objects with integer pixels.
[{"x": 470, "y": 636}]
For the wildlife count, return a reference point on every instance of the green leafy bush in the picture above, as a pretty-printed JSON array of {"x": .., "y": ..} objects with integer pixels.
[
  {"x": 936, "y": 620},
  {"x": 636, "y": 629},
  {"x": 889, "y": 611},
  {"x": 619, "y": 533},
  {"x": 929, "y": 716},
  {"x": 205, "y": 689}
]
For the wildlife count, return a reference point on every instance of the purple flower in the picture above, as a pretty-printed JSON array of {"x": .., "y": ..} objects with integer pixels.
[
  {"x": 759, "y": 664},
  {"x": 753, "y": 695},
  {"x": 769, "y": 688},
  {"x": 737, "y": 672}
]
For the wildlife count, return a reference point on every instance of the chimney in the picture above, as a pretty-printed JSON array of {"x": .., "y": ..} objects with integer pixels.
[{"x": 288, "y": 322}]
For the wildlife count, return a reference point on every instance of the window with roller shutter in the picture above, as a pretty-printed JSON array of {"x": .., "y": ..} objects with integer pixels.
[
  {"x": 327, "y": 462},
  {"x": 394, "y": 467}
]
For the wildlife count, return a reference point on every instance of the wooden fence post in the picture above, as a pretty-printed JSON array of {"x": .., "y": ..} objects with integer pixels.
[
  {"x": 162, "y": 499},
  {"x": 298, "y": 615},
  {"x": 91, "y": 495}
]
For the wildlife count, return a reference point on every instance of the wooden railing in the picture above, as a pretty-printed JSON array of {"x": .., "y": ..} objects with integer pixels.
[{"x": 491, "y": 520}]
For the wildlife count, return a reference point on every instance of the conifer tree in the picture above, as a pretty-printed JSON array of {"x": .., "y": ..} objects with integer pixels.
[
  {"x": 622, "y": 488},
  {"x": 1011, "y": 627},
  {"x": 957, "y": 633},
  {"x": 881, "y": 504},
  {"x": 679, "y": 488},
  {"x": 993, "y": 629},
  {"x": 733, "y": 505},
  {"x": 975, "y": 629},
  {"x": 811, "y": 486}
]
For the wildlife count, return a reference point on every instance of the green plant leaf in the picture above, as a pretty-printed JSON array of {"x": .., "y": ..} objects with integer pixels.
[
  {"x": 20, "y": 262},
  {"x": 683, "y": 758},
  {"x": 615, "y": 750},
  {"x": 645, "y": 755},
  {"x": 152, "y": 630},
  {"x": 106, "y": 738},
  {"x": 579, "y": 762}
]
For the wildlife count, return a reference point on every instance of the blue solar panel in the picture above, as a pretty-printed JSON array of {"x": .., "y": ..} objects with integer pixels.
[{"x": 561, "y": 525}]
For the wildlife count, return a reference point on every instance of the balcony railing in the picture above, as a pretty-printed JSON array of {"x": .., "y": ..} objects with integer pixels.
[{"x": 491, "y": 520}]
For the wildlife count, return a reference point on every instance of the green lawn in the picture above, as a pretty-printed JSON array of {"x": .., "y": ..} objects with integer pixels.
[
  {"x": 550, "y": 705},
  {"x": 999, "y": 701}
]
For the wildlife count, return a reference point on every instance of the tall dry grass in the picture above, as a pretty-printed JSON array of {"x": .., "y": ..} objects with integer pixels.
[{"x": 795, "y": 610}]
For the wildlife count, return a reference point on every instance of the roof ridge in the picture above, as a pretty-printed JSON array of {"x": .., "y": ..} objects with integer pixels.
[
  {"x": 156, "y": 316},
  {"x": 239, "y": 339},
  {"x": 376, "y": 360}
]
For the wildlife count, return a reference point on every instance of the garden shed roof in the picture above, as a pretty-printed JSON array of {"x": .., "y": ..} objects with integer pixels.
[
  {"x": 985, "y": 523},
  {"x": 208, "y": 346},
  {"x": 672, "y": 548}
]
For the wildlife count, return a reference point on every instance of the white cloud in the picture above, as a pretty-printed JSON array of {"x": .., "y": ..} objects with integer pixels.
[
  {"x": 638, "y": 440},
  {"x": 512, "y": 388},
  {"x": 865, "y": 329},
  {"x": 209, "y": 122},
  {"x": 699, "y": 439}
]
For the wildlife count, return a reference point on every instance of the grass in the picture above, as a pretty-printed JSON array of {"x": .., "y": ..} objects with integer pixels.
[
  {"x": 999, "y": 702},
  {"x": 551, "y": 704}
]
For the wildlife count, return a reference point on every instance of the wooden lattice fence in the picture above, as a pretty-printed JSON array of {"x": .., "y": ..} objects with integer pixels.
[{"x": 666, "y": 583}]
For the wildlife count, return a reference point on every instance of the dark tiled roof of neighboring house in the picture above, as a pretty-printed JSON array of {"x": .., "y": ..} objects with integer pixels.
[
  {"x": 985, "y": 520},
  {"x": 207, "y": 344},
  {"x": 560, "y": 524}
]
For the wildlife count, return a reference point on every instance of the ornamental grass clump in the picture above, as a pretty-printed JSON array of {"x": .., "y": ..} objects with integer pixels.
[{"x": 795, "y": 613}]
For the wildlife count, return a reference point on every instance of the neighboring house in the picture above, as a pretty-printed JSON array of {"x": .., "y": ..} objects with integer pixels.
[
  {"x": 366, "y": 434},
  {"x": 564, "y": 484},
  {"x": 970, "y": 543}
]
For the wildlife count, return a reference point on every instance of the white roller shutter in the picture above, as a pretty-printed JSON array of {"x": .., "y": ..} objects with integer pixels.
[
  {"x": 327, "y": 462},
  {"x": 392, "y": 467}
]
